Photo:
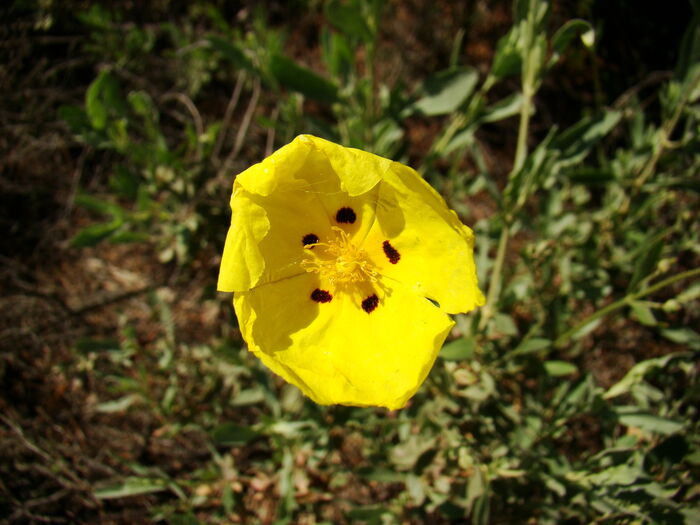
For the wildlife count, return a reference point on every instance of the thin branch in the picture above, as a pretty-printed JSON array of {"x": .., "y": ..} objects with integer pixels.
[
  {"x": 623, "y": 302},
  {"x": 228, "y": 114},
  {"x": 196, "y": 117},
  {"x": 243, "y": 129}
]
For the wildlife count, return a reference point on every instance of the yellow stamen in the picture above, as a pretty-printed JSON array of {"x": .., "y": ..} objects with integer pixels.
[{"x": 339, "y": 261}]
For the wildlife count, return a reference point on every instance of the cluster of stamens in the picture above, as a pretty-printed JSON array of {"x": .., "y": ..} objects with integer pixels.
[{"x": 339, "y": 261}]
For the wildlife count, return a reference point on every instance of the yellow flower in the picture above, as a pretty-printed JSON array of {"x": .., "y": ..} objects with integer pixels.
[{"x": 333, "y": 254}]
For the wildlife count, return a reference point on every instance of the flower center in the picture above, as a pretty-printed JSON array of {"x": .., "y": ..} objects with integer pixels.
[{"x": 339, "y": 260}]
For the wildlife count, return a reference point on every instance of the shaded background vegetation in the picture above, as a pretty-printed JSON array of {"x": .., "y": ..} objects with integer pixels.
[{"x": 126, "y": 392}]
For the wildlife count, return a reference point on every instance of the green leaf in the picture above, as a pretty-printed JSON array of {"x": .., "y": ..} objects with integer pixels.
[
  {"x": 643, "y": 313},
  {"x": 231, "y": 434},
  {"x": 590, "y": 176},
  {"x": 647, "y": 422},
  {"x": 100, "y": 206},
  {"x": 118, "y": 405},
  {"x": 529, "y": 346},
  {"x": 128, "y": 237},
  {"x": 503, "y": 109},
  {"x": 565, "y": 35},
  {"x": 445, "y": 91},
  {"x": 684, "y": 336},
  {"x": 575, "y": 142},
  {"x": 124, "y": 182},
  {"x": 507, "y": 60},
  {"x": 689, "y": 52},
  {"x": 132, "y": 486},
  {"x": 337, "y": 54},
  {"x": 347, "y": 17},
  {"x": 231, "y": 52},
  {"x": 142, "y": 104},
  {"x": 93, "y": 234},
  {"x": 458, "y": 350},
  {"x": 637, "y": 372},
  {"x": 103, "y": 97},
  {"x": 559, "y": 368},
  {"x": 617, "y": 475},
  {"x": 504, "y": 324},
  {"x": 297, "y": 78},
  {"x": 646, "y": 264},
  {"x": 96, "y": 345}
]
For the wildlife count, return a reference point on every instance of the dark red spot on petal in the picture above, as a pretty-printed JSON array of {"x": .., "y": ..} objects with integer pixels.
[
  {"x": 321, "y": 296},
  {"x": 346, "y": 215},
  {"x": 310, "y": 238},
  {"x": 391, "y": 253},
  {"x": 369, "y": 304}
]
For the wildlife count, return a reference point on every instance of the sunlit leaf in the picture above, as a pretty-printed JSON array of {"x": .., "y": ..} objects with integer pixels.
[{"x": 445, "y": 91}]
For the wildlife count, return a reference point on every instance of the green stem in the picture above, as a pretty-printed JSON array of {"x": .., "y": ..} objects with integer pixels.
[
  {"x": 495, "y": 283},
  {"x": 666, "y": 131},
  {"x": 460, "y": 120},
  {"x": 521, "y": 148},
  {"x": 528, "y": 82},
  {"x": 623, "y": 302}
]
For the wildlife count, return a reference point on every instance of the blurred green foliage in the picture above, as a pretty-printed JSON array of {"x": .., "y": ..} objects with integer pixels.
[{"x": 593, "y": 230}]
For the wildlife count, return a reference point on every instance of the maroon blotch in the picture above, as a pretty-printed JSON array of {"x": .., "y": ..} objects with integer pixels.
[
  {"x": 391, "y": 253},
  {"x": 321, "y": 296},
  {"x": 369, "y": 304},
  {"x": 309, "y": 238},
  {"x": 346, "y": 215}
]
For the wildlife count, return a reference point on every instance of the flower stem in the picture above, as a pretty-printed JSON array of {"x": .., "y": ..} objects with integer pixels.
[
  {"x": 495, "y": 283},
  {"x": 563, "y": 338},
  {"x": 528, "y": 82}
]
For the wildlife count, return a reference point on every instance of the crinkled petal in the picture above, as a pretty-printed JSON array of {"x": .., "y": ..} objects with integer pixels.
[
  {"x": 265, "y": 242},
  {"x": 435, "y": 249},
  {"x": 359, "y": 171},
  {"x": 335, "y": 351}
]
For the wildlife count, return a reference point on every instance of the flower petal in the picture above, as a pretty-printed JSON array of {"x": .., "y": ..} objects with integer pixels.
[
  {"x": 433, "y": 249},
  {"x": 298, "y": 190},
  {"x": 265, "y": 242},
  {"x": 352, "y": 349},
  {"x": 359, "y": 171}
]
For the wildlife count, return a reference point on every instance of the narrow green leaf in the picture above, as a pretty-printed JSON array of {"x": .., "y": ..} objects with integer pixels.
[
  {"x": 646, "y": 264},
  {"x": 503, "y": 109},
  {"x": 297, "y": 78},
  {"x": 559, "y": 368},
  {"x": 529, "y": 346},
  {"x": 636, "y": 374},
  {"x": 347, "y": 17},
  {"x": 445, "y": 91},
  {"x": 132, "y": 486},
  {"x": 93, "y": 234},
  {"x": 337, "y": 53},
  {"x": 100, "y": 206},
  {"x": 649, "y": 422},
  {"x": 103, "y": 97},
  {"x": 118, "y": 405},
  {"x": 232, "y": 434},
  {"x": 458, "y": 350},
  {"x": 576, "y": 142},
  {"x": 684, "y": 336}
]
